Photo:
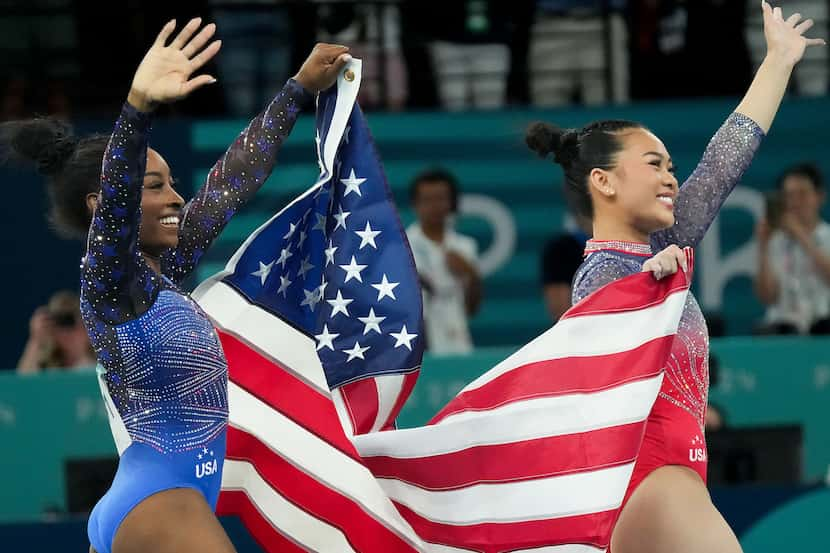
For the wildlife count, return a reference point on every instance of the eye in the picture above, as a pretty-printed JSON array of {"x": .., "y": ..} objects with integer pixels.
[
  {"x": 673, "y": 169},
  {"x": 155, "y": 185},
  {"x": 174, "y": 182},
  {"x": 655, "y": 162}
]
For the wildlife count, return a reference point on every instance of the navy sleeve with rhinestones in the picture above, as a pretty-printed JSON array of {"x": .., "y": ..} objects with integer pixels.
[
  {"x": 700, "y": 198},
  {"x": 235, "y": 178},
  {"x": 116, "y": 282}
]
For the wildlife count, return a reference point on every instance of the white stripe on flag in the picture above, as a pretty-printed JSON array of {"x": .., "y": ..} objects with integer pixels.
[
  {"x": 593, "y": 335},
  {"x": 541, "y": 498},
  {"x": 265, "y": 332},
  {"x": 291, "y": 521},
  {"x": 315, "y": 457},
  {"x": 518, "y": 421},
  {"x": 389, "y": 388}
]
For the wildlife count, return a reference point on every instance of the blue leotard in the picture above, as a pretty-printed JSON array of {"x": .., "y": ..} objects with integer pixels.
[{"x": 161, "y": 368}]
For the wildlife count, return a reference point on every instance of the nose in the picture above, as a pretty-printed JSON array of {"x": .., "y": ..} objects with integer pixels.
[
  {"x": 671, "y": 181},
  {"x": 174, "y": 199}
]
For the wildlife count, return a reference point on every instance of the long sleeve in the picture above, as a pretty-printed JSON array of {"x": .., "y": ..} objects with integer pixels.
[
  {"x": 116, "y": 282},
  {"x": 700, "y": 198},
  {"x": 234, "y": 179}
]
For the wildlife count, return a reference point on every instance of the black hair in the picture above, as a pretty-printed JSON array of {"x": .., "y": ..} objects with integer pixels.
[
  {"x": 71, "y": 165},
  {"x": 436, "y": 174},
  {"x": 807, "y": 170},
  {"x": 579, "y": 151}
]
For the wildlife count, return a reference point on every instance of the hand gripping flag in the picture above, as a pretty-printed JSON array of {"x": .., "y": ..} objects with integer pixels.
[{"x": 319, "y": 314}]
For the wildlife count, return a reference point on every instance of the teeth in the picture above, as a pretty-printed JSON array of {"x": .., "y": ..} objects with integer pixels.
[
  {"x": 171, "y": 220},
  {"x": 666, "y": 200}
]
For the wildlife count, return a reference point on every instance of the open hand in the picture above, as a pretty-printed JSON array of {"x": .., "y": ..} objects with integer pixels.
[
  {"x": 320, "y": 69},
  {"x": 666, "y": 262},
  {"x": 164, "y": 73},
  {"x": 785, "y": 37}
]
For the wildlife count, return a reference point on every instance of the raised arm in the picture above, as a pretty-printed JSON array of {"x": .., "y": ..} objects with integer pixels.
[
  {"x": 732, "y": 148},
  {"x": 249, "y": 161},
  {"x": 117, "y": 282}
]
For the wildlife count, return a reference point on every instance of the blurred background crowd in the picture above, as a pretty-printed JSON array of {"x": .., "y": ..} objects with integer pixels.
[{"x": 494, "y": 243}]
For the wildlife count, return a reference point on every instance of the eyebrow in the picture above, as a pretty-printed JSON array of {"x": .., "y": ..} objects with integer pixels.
[{"x": 658, "y": 154}]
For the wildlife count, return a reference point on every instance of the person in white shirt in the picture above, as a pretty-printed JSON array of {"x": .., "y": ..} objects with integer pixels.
[
  {"x": 793, "y": 277},
  {"x": 446, "y": 263}
]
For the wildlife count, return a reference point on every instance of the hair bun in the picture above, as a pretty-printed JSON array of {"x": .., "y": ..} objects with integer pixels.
[
  {"x": 47, "y": 142},
  {"x": 544, "y": 138}
]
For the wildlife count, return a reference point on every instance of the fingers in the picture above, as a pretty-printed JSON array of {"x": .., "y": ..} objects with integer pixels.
[
  {"x": 777, "y": 14},
  {"x": 165, "y": 33},
  {"x": 186, "y": 32},
  {"x": 680, "y": 258},
  {"x": 804, "y": 26},
  {"x": 341, "y": 62},
  {"x": 196, "y": 82},
  {"x": 793, "y": 19},
  {"x": 816, "y": 42},
  {"x": 199, "y": 40},
  {"x": 205, "y": 55},
  {"x": 666, "y": 262}
]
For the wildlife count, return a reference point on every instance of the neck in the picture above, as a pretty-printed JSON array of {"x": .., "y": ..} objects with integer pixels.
[
  {"x": 153, "y": 261},
  {"x": 612, "y": 229},
  {"x": 434, "y": 232}
]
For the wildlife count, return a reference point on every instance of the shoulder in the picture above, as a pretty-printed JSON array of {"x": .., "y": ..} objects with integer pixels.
[
  {"x": 413, "y": 232},
  {"x": 465, "y": 245}
]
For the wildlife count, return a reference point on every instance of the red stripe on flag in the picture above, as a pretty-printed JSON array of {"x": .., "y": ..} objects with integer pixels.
[
  {"x": 408, "y": 385},
  {"x": 272, "y": 384},
  {"x": 632, "y": 293},
  {"x": 563, "y": 376},
  {"x": 236, "y": 502},
  {"x": 361, "y": 399},
  {"x": 592, "y": 529},
  {"x": 517, "y": 461},
  {"x": 363, "y": 531}
]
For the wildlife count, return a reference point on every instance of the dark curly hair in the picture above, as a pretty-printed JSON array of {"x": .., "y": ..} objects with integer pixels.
[
  {"x": 579, "y": 151},
  {"x": 71, "y": 165}
]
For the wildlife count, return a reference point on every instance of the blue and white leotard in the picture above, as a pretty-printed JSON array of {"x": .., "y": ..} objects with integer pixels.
[{"x": 161, "y": 367}]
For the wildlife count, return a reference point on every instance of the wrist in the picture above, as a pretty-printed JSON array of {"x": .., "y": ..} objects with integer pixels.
[
  {"x": 304, "y": 82},
  {"x": 778, "y": 60},
  {"x": 140, "y": 101}
]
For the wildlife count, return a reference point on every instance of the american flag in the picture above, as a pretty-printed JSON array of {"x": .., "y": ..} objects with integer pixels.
[{"x": 319, "y": 315}]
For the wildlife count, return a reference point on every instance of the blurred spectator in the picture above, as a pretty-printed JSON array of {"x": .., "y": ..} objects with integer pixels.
[
  {"x": 575, "y": 46},
  {"x": 810, "y": 75},
  {"x": 446, "y": 263},
  {"x": 562, "y": 256},
  {"x": 794, "y": 256},
  {"x": 373, "y": 33},
  {"x": 39, "y": 64},
  {"x": 689, "y": 49},
  {"x": 256, "y": 51},
  {"x": 470, "y": 53},
  {"x": 57, "y": 337}
]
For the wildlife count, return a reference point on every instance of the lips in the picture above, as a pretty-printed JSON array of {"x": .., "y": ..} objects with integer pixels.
[
  {"x": 667, "y": 200},
  {"x": 170, "y": 221}
]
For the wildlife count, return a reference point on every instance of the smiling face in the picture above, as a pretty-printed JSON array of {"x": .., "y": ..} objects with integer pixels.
[
  {"x": 641, "y": 188},
  {"x": 161, "y": 207}
]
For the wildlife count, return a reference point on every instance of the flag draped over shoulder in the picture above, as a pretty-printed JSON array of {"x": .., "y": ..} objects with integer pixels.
[{"x": 319, "y": 314}]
